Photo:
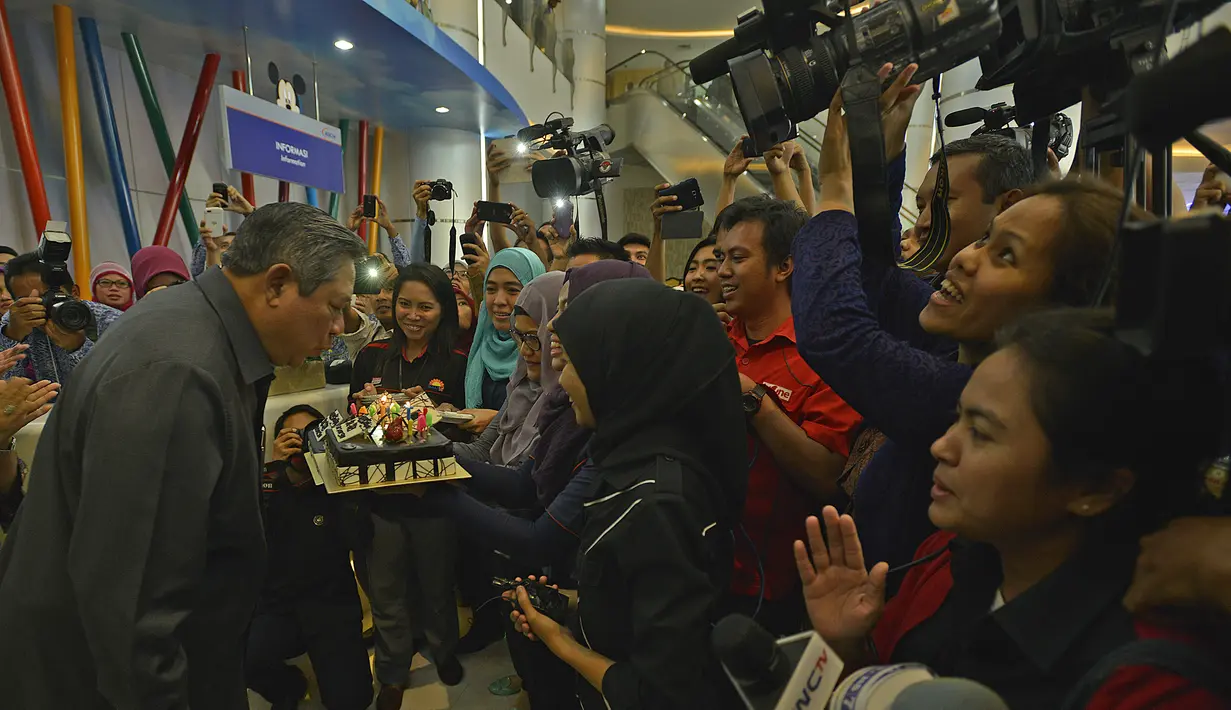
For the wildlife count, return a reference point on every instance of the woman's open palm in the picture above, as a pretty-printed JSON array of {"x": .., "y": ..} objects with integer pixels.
[{"x": 844, "y": 600}]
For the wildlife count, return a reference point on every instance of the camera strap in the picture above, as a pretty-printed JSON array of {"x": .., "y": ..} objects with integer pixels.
[
  {"x": 1040, "y": 138},
  {"x": 938, "y": 236},
  {"x": 861, "y": 91},
  {"x": 602, "y": 209}
]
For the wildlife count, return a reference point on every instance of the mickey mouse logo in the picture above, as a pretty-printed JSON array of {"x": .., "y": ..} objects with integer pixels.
[{"x": 288, "y": 91}]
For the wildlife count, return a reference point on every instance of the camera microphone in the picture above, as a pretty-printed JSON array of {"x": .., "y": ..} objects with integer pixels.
[{"x": 965, "y": 117}]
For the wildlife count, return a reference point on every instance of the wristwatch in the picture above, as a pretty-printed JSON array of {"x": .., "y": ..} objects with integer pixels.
[{"x": 752, "y": 399}]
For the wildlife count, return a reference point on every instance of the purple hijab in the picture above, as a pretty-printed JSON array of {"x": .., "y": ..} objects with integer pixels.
[{"x": 561, "y": 439}]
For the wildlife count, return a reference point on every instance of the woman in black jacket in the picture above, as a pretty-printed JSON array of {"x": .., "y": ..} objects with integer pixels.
[{"x": 650, "y": 371}]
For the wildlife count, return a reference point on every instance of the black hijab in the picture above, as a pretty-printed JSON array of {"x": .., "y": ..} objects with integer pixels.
[
  {"x": 561, "y": 438},
  {"x": 660, "y": 377}
]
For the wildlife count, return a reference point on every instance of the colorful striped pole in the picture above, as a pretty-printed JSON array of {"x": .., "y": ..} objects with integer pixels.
[
  {"x": 159, "y": 126},
  {"x": 378, "y": 160},
  {"x": 111, "y": 133},
  {"x": 188, "y": 145},
  {"x": 19, "y": 116},
  {"x": 74, "y": 170},
  {"x": 311, "y": 198},
  {"x": 239, "y": 80},
  {"x": 335, "y": 198},
  {"x": 363, "y": 161}
]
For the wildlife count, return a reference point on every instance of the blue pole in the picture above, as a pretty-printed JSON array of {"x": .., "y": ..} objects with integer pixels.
[
  {"x": 310, "y": 193},
  {"x": 111, "y": 134}
]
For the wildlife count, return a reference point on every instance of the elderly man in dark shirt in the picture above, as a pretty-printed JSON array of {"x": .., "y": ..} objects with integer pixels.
[{"x": 133, "y": 566}]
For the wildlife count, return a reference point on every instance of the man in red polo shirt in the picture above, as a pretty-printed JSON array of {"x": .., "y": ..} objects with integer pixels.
[{"x": 799, "y": 431}]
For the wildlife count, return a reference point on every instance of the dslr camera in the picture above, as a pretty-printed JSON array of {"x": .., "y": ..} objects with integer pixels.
[
  {"x": 64, "y": 310},
  {"x": 442, "y": 190}
]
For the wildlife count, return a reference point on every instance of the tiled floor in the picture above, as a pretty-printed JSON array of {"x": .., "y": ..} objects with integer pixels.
[{"x": 428, "y": 693}]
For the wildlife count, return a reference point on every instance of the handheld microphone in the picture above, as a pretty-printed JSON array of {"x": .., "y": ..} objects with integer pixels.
[
  {"x": 791, "y": 673},
  {"x": 911, "y": 686},
  {"x": 965, "y": 116}
]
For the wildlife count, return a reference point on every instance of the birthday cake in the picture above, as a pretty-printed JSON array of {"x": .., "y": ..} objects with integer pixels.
[{"x": 383, "y": 442}]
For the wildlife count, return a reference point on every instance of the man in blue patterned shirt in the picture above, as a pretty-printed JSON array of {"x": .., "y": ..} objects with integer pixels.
[{"x": 54, "y": 352}]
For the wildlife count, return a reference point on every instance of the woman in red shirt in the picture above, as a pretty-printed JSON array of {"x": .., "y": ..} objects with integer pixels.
[{"x": 1043, "y": 487}]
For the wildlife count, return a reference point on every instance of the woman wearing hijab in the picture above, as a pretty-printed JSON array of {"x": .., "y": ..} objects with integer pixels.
[
  {"x": 650, "y": 372},
  {"x": 112, "y": 285},
  {"x": 514, "y": 432},
  {"x": 156, "y": 268},
  {"x": 493, "y": 355},
  {"x": 554, "y": 481}
]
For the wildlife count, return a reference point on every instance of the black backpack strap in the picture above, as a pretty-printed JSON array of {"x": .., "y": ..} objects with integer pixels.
[{"x": 1169, "y": 655}]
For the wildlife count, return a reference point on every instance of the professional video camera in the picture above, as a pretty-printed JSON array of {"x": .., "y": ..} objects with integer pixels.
[
  {"x": 586, "y": 164},
  {"x": 996, "y": 121},
  {"x": 784, "y": 72},
  {"x": 805, "y": 70},
  {"x": 62, "y": 309},
  {"x": 584, "y": 168}
]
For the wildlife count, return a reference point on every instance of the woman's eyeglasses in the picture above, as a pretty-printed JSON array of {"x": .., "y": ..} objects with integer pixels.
[
  {"x": 530, "y": 339},
  {"x": 112, "y": 284}
]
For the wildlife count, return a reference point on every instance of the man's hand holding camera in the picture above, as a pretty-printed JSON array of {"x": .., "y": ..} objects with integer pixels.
[
  {"x": 26, "y": 314},
  {"x": 288, "y": 443}
]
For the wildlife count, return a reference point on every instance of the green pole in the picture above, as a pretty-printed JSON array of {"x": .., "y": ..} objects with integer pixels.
[
  {"x": 159, "y": 125},
  {"x": 344, "y": 126}
]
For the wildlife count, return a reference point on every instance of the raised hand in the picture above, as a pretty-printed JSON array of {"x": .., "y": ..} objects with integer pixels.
[
  {"x": 843, "y": 599},
  {"x": 663, "y": 204},
  {"x": 736, "y": 163},
  {"x": 776, "y": 159},
  {"x": 422, "y": 193},
  {"x": 897, "y": 103}
]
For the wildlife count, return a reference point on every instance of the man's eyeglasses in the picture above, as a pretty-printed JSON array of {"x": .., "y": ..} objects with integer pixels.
[
  {"x": 113, "y": 284},
  {"x": 530, "y": 339}
]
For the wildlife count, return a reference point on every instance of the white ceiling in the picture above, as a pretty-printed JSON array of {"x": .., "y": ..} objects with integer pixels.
[{"x": 677, "y": 14}]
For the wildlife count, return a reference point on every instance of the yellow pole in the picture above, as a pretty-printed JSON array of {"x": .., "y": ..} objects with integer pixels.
[
  {"x": 377, "y": 160},
  {"x": 70, "y": 115}
]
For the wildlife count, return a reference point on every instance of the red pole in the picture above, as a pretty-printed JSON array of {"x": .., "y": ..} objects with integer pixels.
[
  {"x": 192, "y": 131},
  {"x": 36, "y": 193},
  {"x": 239, "y": 80},
  {"x": 363, "y": 160},
  {"x": 284, "y": 191}
]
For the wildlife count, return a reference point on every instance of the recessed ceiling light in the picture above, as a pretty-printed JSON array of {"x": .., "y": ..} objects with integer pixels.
[
  {"x": 343, "y": 45},
  {"x": 442, "y": 109}
]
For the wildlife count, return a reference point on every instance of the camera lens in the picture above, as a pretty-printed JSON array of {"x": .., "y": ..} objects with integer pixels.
[
  {"x": 70, "y": 314},
  {"x": 558, "y": 176}
]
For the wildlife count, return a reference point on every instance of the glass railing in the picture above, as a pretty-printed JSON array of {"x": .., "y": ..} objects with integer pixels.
[{"x": 712, "y": 109}]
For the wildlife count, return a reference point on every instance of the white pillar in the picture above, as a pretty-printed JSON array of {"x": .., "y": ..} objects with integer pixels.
[
  {"x": 583, "y": 38},
  {"x": 454, "y": 155}
]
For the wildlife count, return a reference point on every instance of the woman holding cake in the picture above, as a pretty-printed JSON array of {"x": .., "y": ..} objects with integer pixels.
[
  {"x": 413, "y": 554},
  {"x": 421, "y": 356}
]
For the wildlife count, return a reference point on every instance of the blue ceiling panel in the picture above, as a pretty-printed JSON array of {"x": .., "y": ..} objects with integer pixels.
[{"x": 401, "y": 68}]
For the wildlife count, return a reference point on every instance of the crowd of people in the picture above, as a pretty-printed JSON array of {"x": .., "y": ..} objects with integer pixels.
[{"x": 962, "y": 468}]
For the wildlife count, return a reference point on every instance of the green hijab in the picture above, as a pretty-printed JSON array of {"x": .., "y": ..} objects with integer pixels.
[{"x": 494, "y": 352}]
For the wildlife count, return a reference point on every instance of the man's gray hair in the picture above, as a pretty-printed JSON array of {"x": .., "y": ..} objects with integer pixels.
[{"x": 301, "y": 236}]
